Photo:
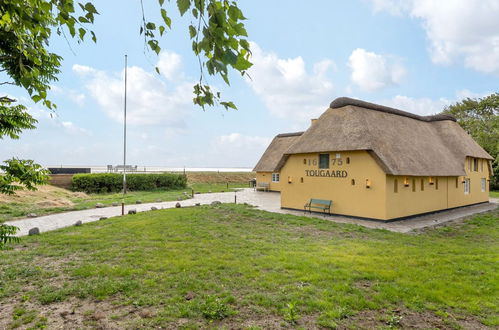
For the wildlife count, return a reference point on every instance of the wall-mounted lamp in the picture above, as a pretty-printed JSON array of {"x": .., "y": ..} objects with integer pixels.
[
  {"x": 430, "y": 180},
  {"x": 290, "y": 179},
  {"x": 406, "y": 182},
  {"x": 464, "y": 180},
  {"x": 368, "y": 183}
]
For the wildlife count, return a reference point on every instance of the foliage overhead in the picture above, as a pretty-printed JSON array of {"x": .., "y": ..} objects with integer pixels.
[
  {"x": 479, "y": 117},
  {"x": 7, "y": 235},
  {"x": 19, "y": 173},
  {"x": 218, "y": 39}
]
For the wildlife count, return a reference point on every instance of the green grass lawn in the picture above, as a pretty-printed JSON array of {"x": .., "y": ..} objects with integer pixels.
[
  {"x": 494, "y": 194},
  {"x": 236, "y": 267},
  {"x": 21, "y": 208}
]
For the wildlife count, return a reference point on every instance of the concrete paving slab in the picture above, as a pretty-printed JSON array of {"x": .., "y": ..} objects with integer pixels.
[{"x": 267, "y": 201}]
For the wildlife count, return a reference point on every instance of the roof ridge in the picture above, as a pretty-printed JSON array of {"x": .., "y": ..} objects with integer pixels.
[
  {"x": 344, "y": 101},
  {"x": 289, "y": 134}
]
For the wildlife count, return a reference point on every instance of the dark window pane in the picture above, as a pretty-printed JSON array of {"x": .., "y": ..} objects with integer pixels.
[{"x": 324, "y": 161}]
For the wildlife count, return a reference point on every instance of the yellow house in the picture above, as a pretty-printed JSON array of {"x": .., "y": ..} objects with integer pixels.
[
  {"x": 381, "y": 163},
  {"x": 267, "y": 175}
]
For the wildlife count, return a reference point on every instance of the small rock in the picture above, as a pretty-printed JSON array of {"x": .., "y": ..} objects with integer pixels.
[
  {"x": 115, "y": 204},
  {"x": 179, "y": 198},
  {"x": 197, "y": 204},
  {"x": 153, "y": 208},
  {"x": 98, "y": 316},
  {"x": 178, "y": 205},
  {"x": 145, "y": 314},
  {"x": 78, "y": 223},
  {"x": 63, "y": 314},
  {"x": 209, "y": 191},
  {"x": 185, "y": 193},
  {"x": 99, "y": 205},
  {"x": 32, "y": 215},
  {"x": 158, "y": 200},
  {"x": 34, "y": 231},
  {"x": 190, "y": 296},
  {"x": 102, "y": 218},
  {"x": 138, "y": 202},
  {"x": 197, "y": 192},
  {"x": 223, "y": 190},
  {"x": 214, "y": 203},
  {"x": 132, "y": 211}
]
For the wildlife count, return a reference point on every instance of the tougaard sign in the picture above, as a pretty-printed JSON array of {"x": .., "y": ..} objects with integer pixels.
[{"x": 326, "y": 173}]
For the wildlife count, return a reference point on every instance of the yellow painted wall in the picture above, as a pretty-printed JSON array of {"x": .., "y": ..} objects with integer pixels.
[
  {"x": 457, "y": 197},
  {"x": 380, "y": 201},
  {"x": 267, "y": 178},
  {"x": 348, "y": 199},
  {"x": 408, "y": 201}
]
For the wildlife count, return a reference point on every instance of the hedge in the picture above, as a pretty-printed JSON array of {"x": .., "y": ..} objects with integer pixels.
[{"x": 113, "y": 182}]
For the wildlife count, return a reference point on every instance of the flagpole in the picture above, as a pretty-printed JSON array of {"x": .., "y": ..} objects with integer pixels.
[{"x": 124, "y": 143}]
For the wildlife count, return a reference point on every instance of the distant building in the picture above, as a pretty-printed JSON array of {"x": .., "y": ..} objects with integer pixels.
[{"x": 377, "y": 162}]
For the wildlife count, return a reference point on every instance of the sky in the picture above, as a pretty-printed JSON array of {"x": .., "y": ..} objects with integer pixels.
[{"x": 418, "y": 56}]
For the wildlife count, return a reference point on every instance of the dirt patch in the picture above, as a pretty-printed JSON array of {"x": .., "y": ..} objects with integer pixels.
[
  {"x": 45, "y": 197},
  {"x": 404, "y": 318},
  {"x": 219, "y": 177}
]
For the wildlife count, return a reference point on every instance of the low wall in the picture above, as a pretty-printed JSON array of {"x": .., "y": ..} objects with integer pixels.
[{"x": 61, "y": 180}]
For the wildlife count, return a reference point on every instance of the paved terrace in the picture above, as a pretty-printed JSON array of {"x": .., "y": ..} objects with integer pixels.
[{"x": 267, "y": 201}]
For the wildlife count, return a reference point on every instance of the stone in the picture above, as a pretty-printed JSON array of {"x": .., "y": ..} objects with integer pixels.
[
  {"x": 32, "y": 215},
  {"x": 99, "y": 205},
  {"x": 209, "y": 191},
  {"x": 158, "y": 200},
  {"x": 197, "y": 192},
  {"x": 146, "y": 314},
  {"x": 132, "y": 211},
  {"x": 138, "y": 202},
  {"x": 214, "y": 203},
  {"x": 115, "y": 204},
  {"x": 178, "y": 205},
  {"x": 34, "y": 231},
  {"x": 153, "y": 208},
  {"x": 190, "y": 295},
  {"x": 102, "y": 218},
  {"x": 185, "y": 193},
  {"x": 78, "y": 223},
  {"x": 197, "y": 204},
  {"x": 179, "y": 198}
]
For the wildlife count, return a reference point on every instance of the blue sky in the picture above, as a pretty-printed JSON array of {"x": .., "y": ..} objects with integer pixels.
[{"x": 418, "y": 56}]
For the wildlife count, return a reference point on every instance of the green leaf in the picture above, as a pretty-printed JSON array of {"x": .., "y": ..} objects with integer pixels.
[
  {"x": 183, "y": 6},
  {"x": 192, "y": 31},
  {"x": 150, "y": 26},
  {"x": 161, "y": 2},
  {"x": 228, "y": 105},
  {"x": 165, "y": 17},
  {"x": 82, "y": 33}
]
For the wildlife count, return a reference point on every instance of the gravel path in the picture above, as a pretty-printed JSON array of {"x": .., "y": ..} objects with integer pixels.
[{"x": 267, "y": 201}]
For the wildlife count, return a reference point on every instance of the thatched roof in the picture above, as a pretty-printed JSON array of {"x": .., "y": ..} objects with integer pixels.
[
  {"x": 402, "y": 143},
  {"x": 275, "y": 151}
]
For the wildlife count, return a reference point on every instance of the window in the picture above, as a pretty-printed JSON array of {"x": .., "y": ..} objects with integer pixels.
[
  {"x": 475, "y": 164},
  {"x": 413, "y": 185},
  {"x": 484, "y": 185},
  {"x": 422, "y": 184},
  {"x": 466, "y": 186},
  {"x": 275, "y": 177},
  {"x": 395, "y": 186},
  {"x": 324, "y": 161},
  {"x": 469, "y": 164},
  {"x": 481, "y": 165}
]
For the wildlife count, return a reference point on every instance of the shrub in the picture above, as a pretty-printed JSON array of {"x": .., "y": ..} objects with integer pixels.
[{"x": 113, "y": 182}]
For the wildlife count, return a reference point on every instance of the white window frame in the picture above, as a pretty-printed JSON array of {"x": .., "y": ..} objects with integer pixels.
[
  {"x": 484, "y": 184},
  {"x": 275, "y": 177},
  {"x": 466, "y": 186}
]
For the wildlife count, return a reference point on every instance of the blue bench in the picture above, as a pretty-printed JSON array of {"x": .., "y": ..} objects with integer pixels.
[{"x": 319, "y": 204}]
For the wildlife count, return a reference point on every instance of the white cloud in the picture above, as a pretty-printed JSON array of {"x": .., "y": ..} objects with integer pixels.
[
  {"x": 150, "y": 100},
  {"x": 371, "y": 71},
  {"x": 285, "y": 86},
  {"x": 238, "y": 149},
  {"x": 71, "y": 128},
  {"x": 420, "y": 106},
  {"x": 464, "y": 31}
]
